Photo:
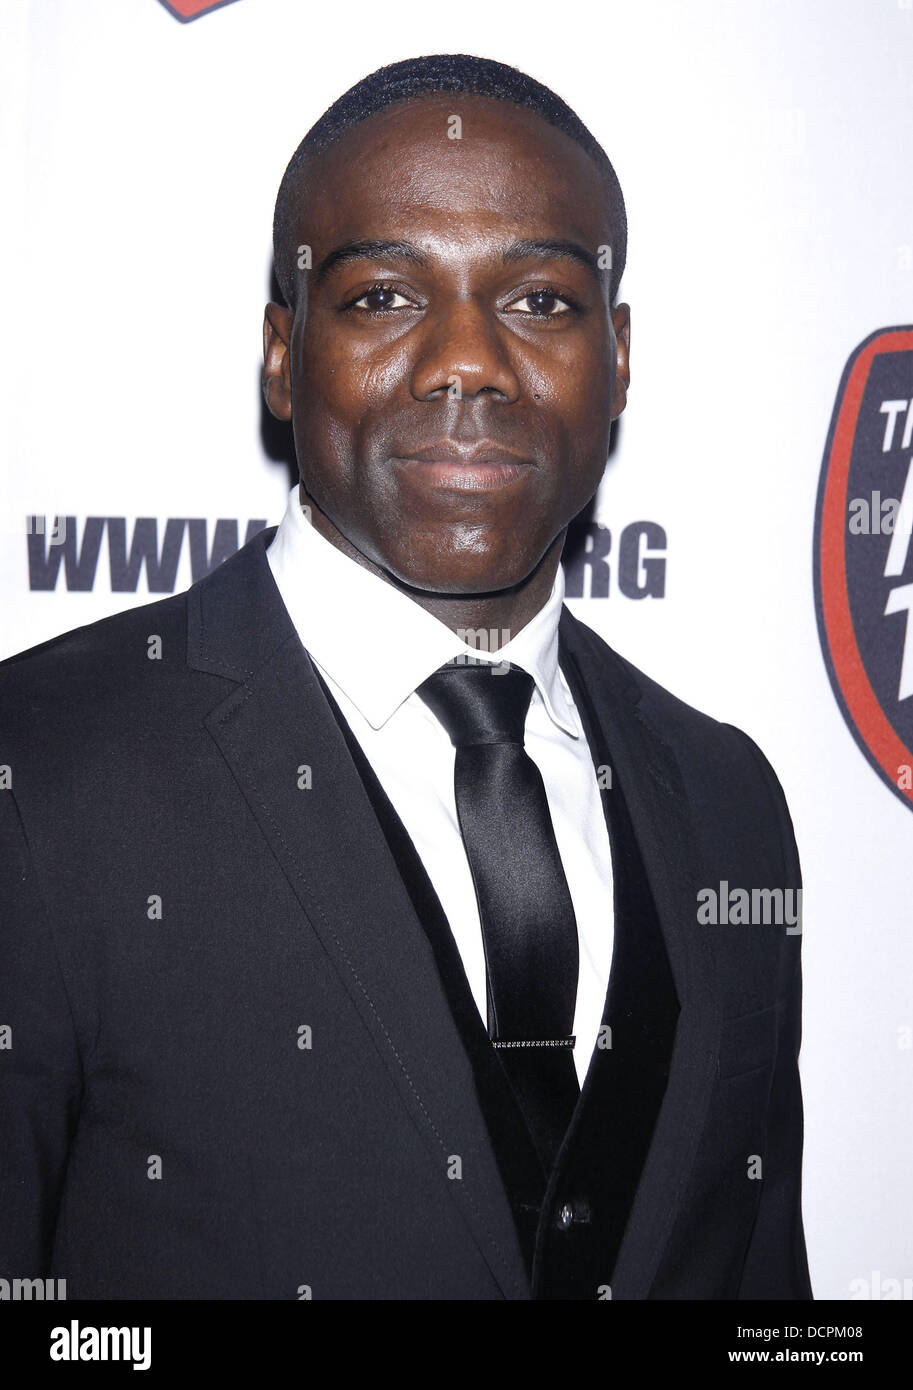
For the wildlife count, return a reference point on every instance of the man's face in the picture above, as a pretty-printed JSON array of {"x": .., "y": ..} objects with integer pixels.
[{"x": 451, "y": 395}]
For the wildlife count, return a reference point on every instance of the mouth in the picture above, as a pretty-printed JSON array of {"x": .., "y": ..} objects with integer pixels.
[{"x": 452, "y": 466}]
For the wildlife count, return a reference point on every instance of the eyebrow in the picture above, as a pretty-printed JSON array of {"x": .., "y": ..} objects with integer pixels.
[
  {"x": 368, "y": 251},
  {"x": 552, "y": 249},
  {"x": 541, "y": 248}
]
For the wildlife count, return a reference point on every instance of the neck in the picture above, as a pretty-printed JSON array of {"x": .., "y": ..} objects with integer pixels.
[{"x": 506, "y": 611}]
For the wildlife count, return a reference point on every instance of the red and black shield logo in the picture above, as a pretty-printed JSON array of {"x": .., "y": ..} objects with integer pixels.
[
  {"x": 864, "y": 553},
  {"x": 186, "y": 10}
]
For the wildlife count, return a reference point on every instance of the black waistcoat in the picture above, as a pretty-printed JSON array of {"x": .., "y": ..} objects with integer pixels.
[{"x": 570, "y": 1221}]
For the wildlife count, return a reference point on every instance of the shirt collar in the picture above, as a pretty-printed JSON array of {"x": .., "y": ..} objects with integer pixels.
[{"x": 377, "y": 644}]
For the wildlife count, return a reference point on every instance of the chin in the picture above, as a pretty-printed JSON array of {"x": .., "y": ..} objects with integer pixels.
[{"x": 463, "y": 574}]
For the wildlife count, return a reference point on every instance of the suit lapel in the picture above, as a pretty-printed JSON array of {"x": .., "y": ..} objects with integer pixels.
[
  {"x": 329, "y": 844},
  {"x": 657, "y": 805}
]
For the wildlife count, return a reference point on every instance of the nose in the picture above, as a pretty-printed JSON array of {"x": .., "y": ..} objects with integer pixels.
[{"x": 461, "y": 353}]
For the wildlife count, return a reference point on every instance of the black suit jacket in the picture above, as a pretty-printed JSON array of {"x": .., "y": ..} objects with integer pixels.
[{"x": 239, "y": 1060}]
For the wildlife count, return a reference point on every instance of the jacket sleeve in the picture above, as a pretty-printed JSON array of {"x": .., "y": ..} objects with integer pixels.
[
  {"x": 776, "y": 1265},
  {"x": 40, "y": 1069}
]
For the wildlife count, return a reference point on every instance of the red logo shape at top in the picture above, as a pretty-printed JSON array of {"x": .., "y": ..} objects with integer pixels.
[{"x": 186, "y": 10}]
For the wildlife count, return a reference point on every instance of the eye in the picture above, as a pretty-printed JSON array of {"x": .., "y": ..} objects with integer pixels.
[
  {"x": 545, "y": 304},
  {"x": 380, "y": 298}
]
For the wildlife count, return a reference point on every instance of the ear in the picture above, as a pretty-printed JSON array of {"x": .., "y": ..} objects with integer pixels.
[
  {"x": 621, "y": 322},
  {"x": 277, "y": 375}
]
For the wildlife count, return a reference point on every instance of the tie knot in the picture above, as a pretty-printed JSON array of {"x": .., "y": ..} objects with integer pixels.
[{"x": 479, "y": 702}]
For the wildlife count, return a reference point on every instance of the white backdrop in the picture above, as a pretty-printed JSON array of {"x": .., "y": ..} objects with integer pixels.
[{"x": 765, "y": 152}]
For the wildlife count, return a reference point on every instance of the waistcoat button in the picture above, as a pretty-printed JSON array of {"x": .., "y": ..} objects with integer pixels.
[{"x": 565, "y": 1217}]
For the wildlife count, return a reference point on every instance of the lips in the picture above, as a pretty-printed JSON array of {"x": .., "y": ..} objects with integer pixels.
[
  {"x": 450, "y": 464},
  {"x": 453, "y": 451}
]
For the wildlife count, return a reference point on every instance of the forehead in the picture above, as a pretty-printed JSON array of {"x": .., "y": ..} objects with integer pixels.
[{"x": 455, "y": 159}]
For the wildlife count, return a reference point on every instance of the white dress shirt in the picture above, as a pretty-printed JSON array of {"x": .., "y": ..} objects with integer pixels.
[{"x": 373, "y": 645}]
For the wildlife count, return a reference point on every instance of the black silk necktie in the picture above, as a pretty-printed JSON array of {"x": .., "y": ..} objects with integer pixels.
[{"x": 528, "y": 925}]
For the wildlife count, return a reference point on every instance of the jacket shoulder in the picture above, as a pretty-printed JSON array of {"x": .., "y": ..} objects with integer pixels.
[
  {"x": 98, "y": 656},
  {"x": 672, "y": 717},
  {"x": 719, "y": 762}
]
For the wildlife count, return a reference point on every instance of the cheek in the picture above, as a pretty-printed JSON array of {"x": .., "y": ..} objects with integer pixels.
[
  {"x": 354, "y": 369},
  {"x": 380, "y": 376},
  {"x": 574, "y": 430},
  {"x": 575, "y": 390},
  {"x": 341, "y": 397}
]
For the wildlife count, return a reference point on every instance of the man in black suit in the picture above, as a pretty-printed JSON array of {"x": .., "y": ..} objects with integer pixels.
[{"x": 370, "y": 929}]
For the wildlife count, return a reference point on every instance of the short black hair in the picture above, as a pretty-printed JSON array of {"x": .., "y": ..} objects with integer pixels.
[{"x": 417, "y": 77}]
